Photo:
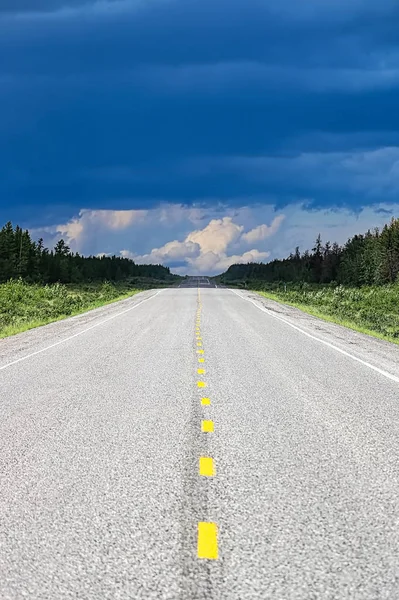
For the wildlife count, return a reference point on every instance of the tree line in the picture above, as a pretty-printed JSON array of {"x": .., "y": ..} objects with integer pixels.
[
  {"x": 20, "y": 257},
  {"x": 366, "y": 259}
]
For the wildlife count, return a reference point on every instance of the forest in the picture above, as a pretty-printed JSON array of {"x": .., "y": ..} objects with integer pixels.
[
  {"x": 20, "y": 257},
  {"x": 366, "y": 259}
]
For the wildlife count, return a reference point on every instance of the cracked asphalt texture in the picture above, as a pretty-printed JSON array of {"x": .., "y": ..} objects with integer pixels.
[{"x": 100, "y": 438}]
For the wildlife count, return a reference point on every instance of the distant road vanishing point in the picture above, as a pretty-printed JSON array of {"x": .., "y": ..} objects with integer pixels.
[
  {"x": 197, "y": 282},
  {"x": 198, "y": 443}
]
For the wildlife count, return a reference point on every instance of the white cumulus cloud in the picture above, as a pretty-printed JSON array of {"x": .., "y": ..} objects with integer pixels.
[
  {"x": 203, "y": 250},
  {"x": 263, "y": 231},
  {"x": 217, "y": 235},
  {"x": 169, "y": 252},
  {"x": 93, "y": 220}
]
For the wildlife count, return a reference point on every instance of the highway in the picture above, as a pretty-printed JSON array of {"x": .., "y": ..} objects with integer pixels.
[
  {"x": 198, "y": 443},
  {"x": 191, "y": 282}
]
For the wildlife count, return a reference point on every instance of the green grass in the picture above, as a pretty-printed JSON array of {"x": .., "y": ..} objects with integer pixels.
[
  {"x": 372, "y": 310},
  {"x": 24, "y": 306}
]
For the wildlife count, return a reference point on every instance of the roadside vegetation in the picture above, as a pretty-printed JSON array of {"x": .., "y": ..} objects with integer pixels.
[
  {"x": 356, "y": 285},
  {"x": 369, "y": 309},
  {"x": 38, "y": 285},
  {"x": 24, "y": 305}
]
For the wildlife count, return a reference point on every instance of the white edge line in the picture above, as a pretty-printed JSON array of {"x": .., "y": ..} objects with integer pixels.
[
  {"x": 313, "y": 337},
  {"x": 14, "y": 362}
]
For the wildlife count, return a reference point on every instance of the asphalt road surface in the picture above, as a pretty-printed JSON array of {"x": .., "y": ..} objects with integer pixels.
[
  {"x": 123, "y": 478},
  {"x": 191, "y": 282}
]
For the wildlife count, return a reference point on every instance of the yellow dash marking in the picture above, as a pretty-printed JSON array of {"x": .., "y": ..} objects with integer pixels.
[
  {"x": 206, "y": 466},
  {"x": 200, "y": 352},
  {"x": 207, "y": 541},
  {"x": 199, "y": 343},
  {"x": 205, "y": 401},
  {"x": 207, "y": 426},
  {"x": 201, "y": 384},
  {"x": 201, "y": 371},
  {"x": 201, "y": 360},
  {"x": 199, "y": 337}
]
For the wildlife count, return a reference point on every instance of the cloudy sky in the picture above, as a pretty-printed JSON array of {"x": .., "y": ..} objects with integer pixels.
[{"x": 198, "y": 133}]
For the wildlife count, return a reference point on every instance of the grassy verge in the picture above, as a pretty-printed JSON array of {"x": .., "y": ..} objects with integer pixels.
[
  {"x": 25, "y": 306},
  {"x": 372, "y": 310}
]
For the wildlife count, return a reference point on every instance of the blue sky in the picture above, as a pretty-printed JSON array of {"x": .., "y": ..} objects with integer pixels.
[{"x": 198, "y": 133}]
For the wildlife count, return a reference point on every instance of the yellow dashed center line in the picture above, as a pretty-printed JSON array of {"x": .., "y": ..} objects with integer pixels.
[
  {"x": 206, "y": 466},
  {"x": 207, "y": 543},
  {"x": 207, "y": 426},
  {"x": 207, "y": 540}
]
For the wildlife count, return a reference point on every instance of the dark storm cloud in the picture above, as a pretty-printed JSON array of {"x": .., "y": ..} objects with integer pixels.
[{"x": 124, "y": 104}]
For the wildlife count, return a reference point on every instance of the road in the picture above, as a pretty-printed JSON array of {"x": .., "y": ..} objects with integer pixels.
[
  {"x": 101, "y": 485},
  {"x": 195, "y": 282}
]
